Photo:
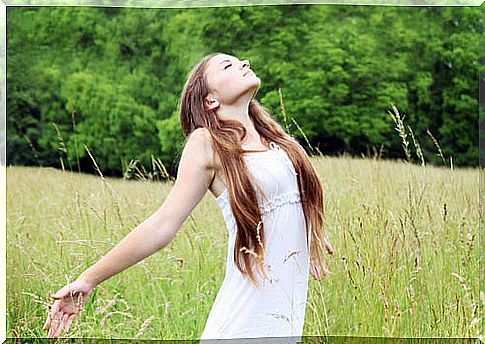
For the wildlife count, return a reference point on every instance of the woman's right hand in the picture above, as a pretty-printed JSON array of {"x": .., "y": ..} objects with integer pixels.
[
  {"x": 69, "y": 301},
  {"x": 314, "y": 269}
]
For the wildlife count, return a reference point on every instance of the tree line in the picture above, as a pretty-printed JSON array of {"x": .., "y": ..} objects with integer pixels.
[{"x": 106, "y": 81}]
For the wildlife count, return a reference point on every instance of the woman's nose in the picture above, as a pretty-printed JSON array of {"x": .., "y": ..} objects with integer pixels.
[{"x": 246, "y": 63}]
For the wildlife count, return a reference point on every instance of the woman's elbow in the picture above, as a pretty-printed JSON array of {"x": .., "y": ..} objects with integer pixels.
[{"x": 160, "y": 231}]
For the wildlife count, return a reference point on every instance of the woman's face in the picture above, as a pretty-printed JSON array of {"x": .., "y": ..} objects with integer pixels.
[{"x": 230, "y": 78}]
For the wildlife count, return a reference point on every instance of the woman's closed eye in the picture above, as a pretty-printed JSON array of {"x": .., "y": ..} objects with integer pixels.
[{"x": 229, "y": 65}]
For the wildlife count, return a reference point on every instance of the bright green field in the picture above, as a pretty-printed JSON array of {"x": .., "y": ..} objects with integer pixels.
[{"x": 405, "y": 262}]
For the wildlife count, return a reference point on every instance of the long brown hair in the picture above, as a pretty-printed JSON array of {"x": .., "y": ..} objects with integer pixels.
[{"x": 227, "y": 136}]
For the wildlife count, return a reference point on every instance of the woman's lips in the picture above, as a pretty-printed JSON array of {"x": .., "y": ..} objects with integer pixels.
[{"x": 248, "y": 72}]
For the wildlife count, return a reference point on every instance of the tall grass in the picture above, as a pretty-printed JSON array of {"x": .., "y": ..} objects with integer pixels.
[{"x": 405, "y": 261}]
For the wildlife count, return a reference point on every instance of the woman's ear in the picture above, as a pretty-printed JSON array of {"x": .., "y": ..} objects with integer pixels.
[{"x": 211, "y": 103}]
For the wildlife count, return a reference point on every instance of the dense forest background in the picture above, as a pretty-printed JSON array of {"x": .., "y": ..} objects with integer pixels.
[{"x": 108, "y": 80}]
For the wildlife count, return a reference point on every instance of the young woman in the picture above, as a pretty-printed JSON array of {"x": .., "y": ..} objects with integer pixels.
[{"x": 270, "y": 197}]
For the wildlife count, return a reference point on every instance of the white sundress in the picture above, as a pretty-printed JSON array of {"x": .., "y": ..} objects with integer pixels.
[{"x": 240, "y": 310}]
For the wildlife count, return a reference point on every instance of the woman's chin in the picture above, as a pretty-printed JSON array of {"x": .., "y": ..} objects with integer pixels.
[
  {"x": 256, "y": 89},
  {"x": 256, "y": 83}
]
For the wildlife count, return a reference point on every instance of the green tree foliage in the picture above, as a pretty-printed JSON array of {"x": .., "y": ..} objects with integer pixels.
[{"x": 109, "y": 79}]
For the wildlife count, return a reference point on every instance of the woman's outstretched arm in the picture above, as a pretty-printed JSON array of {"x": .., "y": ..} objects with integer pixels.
[
  {"x": 195, "y": 173},
  {"x": 157, "y": 231}
]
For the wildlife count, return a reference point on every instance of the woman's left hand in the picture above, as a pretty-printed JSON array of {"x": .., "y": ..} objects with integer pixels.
[{"x": 314, "y": 269}]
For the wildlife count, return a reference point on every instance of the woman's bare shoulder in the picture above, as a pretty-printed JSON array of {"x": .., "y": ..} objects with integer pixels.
[{"x": 199, "y": 143}]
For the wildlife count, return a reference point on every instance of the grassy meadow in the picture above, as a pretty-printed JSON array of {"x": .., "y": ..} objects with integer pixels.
[{"x": 406, "y": 261}]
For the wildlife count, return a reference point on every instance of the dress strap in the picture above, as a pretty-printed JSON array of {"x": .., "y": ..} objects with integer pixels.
[
  {"x": 274, "y": 146},
  {"x": 283, "y": 156}
]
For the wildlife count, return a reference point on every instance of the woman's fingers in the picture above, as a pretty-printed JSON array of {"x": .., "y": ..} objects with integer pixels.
[
  {"x": 326, "y": 271},
  {"x": 55, "y": 309},
  {"x": 61, "y": 325},
  {"x": 69, "y": 321},
  {"x": 64, "y": 308},
  {"x": 56, "y": 324},
  {"x": 314, "y": 271},
  {"x": 50, "y": 322},
  {"x": 47, "y": 322},
  {"x": 327, "y": 245},
  {"x": 53, "y": 326}
]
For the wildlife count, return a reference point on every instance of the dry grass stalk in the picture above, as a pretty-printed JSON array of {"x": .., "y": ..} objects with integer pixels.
[
  {"x": 104, "y": 309},
  {"x": 109, "y": 315},
  {"x": 283, "y": 111},
  {"x": 158, "y": 172},
  {"x": 474, "y": 306},
  {"x": 312, "y": 149},
  {"x": 144, "y": 326},
  {"x": 440, "y": 153},
  {"x": 419, "y": 153},
  {"x": 73, "y": 118},
  {"x": 62, "y": 147},
  {"x": 401, "y": 130},
  {"x": 113, "y": 194}
]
